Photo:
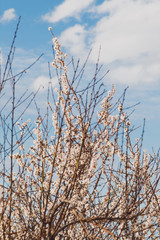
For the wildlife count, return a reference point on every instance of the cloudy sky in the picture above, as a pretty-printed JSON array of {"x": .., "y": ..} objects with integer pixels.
[{"x": 128, "y": 32}]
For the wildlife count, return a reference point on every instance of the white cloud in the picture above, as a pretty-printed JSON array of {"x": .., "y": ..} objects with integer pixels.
[
  {"x": 129, "y": 34},
  {"x": 131, "y": 30},
  {"x": 8, "y": 15},
  {"x": 42, "y": 82},
  {"x": 126, "y": 74},
  {"x": 69, "y": 8},
  {"x": 73, "y": 39}
]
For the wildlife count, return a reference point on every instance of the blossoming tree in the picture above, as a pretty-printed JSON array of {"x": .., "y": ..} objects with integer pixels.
[{"x": 84, "y": 178}]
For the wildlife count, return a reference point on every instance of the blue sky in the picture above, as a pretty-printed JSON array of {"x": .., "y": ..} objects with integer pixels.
[{"x": 128, "y": 32}]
